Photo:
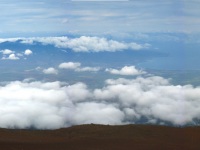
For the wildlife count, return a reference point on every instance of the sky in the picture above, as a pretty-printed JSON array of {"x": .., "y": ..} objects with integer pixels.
[
  {"x": 65, "y": 63},
  {"x": 42, "y": 17}
]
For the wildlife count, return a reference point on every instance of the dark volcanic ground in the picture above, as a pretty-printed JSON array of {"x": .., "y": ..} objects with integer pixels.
[{"x": 100, "y": 137}]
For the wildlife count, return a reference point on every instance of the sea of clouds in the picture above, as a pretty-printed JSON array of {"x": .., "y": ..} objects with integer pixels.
[{"x": 51, "y": 105}]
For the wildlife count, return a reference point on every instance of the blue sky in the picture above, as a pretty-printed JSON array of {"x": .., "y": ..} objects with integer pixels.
[{"x": 51, "y": 17}]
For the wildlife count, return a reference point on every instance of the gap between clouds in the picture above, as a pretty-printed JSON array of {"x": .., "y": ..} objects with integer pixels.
[
  {"x": 81, "y": 44},
  {"x": 51, "y": 105}
]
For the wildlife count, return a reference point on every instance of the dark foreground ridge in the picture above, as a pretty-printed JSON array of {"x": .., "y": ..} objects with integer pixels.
[{"x": 102, "y": 137}]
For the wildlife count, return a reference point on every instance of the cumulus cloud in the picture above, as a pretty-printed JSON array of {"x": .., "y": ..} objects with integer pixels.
[
  {"x": 11, "y": 57},
  {"x": 69, "y": 65},
  {"x": 82, "y": 44},
  {"x": 154, "y": 98},
  {"x": 51, "y": 105},
  {"x": 76, "y": 66},
  {"x": 50, "y": 70},
  {"x": 35, "y": 104},
  {"x": 9, "y": 54},
  {"x": 126, "y": 70},
  {"x": 6, "y": 51},
  {"x": 28, "y": 52}
]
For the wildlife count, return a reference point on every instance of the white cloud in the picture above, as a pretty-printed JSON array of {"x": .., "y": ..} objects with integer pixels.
[
  {"x": 126, "y": 70},
  {"x": 52, "y": 105},
  {"x": 76, "y": 66},
  {"x": 96, "y": 44},
  {"x": 56, "y": 104},
  {"x": 2, "y": 40},
  {"x": 69, "y": 65},
  {"x": 11, "y": 57},
  {"x": 82, "y": 44},
  {"x": 50, "y": 71},
  {"x": 154, "y": 98},
  {"x": 6, "y": 51},
  {"x": 42, "y": 105},
  {"x": 28, "y": 52},
  {"x": 98, "y": 113}
]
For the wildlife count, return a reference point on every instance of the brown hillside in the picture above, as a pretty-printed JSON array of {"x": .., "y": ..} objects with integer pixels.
[{"x": 99, "y": 137}]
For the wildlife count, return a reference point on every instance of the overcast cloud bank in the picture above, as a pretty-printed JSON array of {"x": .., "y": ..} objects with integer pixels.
[{"x": 51, "y": 105}]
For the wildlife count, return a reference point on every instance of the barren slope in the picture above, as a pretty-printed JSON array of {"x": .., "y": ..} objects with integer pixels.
[{"x": 99, "y": 137}]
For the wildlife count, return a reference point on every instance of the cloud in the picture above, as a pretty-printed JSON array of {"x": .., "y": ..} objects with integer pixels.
[
  {"x": 50, "y": 71},
  {"x": 11, "y": 57},
  {"x": 82, "y": 44},
  {"x": 96, "y": 44},
  {"x": 10, "y": 53},
  {"x": 69, "y": 65},
  {"x": 6, "y": 51},
  {"x": 50, "y": 105},
  {"x": 35, "y": 104},
  {"x": 28, "y": 52},
  {"x": 2, "y": 40},
  {"x": 76, "y": 66},
  {"x": 126, "y": 70},
  {"x": 154, "y": 98},
  {"x": 98, "y": 113}
]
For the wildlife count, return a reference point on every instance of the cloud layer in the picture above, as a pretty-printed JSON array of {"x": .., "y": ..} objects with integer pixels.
[
  {"x": 126, "y": 70},
  {"x": 76, "y": 66},
  {"x": 81, "y": 44},
  {"x": 50, "y": 105}
]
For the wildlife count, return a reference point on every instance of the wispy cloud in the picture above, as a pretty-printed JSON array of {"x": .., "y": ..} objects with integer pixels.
[{"x": 130, "y": 16}]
